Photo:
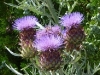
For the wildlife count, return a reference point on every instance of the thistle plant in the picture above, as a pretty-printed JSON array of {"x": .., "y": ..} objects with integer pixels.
[
  {"x": 25, "y": 26},
  {"x": 49, "y": 57},
  {"x": 74, "y": 31},
  {"x": 54, "y": 49}
]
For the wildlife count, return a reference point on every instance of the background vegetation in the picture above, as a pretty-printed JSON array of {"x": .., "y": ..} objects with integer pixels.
[{"x": 8, "y": 37}]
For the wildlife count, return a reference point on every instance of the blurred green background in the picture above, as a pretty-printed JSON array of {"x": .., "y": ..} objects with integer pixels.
[{"x": 8, "y": 37}]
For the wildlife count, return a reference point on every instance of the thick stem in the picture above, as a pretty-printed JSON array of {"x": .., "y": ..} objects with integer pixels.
[{"x": 52, "y": 72}]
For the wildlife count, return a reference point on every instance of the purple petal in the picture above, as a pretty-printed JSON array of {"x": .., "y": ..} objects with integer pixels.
[
  {"x": 48, "y": 42},
  {"x": 69, "y": 20},
  {"x": 24, "y": 22},
  {"x": 55, "y": 30}
]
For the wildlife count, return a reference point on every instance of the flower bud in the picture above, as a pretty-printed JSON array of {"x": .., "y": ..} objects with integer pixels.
[
  {"x": 74, "y": 31},
  {"x": 26, "y": 27},
  {"x": 50, "y": 60}
]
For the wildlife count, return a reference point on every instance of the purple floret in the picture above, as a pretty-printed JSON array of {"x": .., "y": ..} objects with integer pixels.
[
  {"x": 49, "y": 30},
  {"x": 56, "y": 28},
  {"x": 48, "y": 43},
  {"x": 68, "y": 20},
  {"x": 25, "y": 22}
]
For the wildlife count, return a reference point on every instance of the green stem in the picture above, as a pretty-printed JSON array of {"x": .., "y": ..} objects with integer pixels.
[
  {"x": 52, "y": 10},
  {"x": 52, "y": 72},
  {"x": 73, "y": 6}
]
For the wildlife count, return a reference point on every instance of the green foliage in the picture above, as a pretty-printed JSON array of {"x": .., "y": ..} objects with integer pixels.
[
  {"x": 7, "y": 36},
  {"x": 92, "y": 29},
  {"x": 38, "y": 7},
  {"x": 46, "y": 12}
]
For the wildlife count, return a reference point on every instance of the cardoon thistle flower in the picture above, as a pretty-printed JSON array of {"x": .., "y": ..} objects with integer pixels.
[
  {"x": 48, "y": 42},
  {"x": 49, "y": 46},
  {"x": 72, "y": 19},
  {"x": 26, "y": 35},
  {"x": 49, "y": 30},
  {"x": 25, "y": 25},
  {"x": 25, "y": 22},
  {"x": 74, "y": 31}
]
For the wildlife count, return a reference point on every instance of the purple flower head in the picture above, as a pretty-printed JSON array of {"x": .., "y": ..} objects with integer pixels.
[
  {"x": 56, "y": 29},
  {"x": 48, "y": 43},
  {"x": 25, "y": 22},
  {"x": 68, "y": 20},
  {"x": 41, "y": 32},
  {"x": 49, "y": 30},
  {"x": 64, "y": 32}
]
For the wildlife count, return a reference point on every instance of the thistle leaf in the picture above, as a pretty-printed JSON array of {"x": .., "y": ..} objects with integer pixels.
[
  {"x": 13, "y": 70},
  {"x": 15, "y": 54}
]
